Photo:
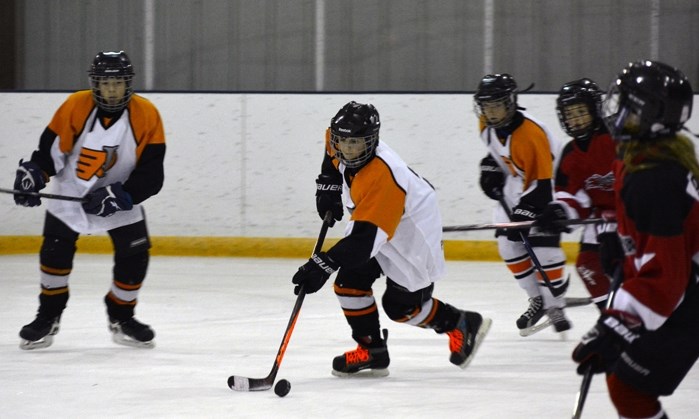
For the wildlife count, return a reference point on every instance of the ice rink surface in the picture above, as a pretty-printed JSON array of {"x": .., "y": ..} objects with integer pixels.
[{"x": 215, "y": 317}]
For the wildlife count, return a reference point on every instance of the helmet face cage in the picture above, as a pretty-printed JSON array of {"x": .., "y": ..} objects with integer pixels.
[
  {"x": 111, "y": 66},
  {"x": 647, "y": 100},
  {"x": 579, "y": 92},
  {"x": 495, "y": 91},
  {"x": 354, "y": 134}
]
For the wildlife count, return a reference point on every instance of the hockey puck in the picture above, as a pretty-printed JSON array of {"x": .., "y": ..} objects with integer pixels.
[{"x": 282, "y": 388}]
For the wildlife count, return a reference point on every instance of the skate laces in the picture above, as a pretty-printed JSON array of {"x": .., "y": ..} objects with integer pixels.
[
  {"x": 456, "y": 340},
  {"x": 535, "y": 305},
  {"x": 357, "y": 356}
]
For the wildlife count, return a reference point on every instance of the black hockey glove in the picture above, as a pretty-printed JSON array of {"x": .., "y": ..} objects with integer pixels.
[
  {"x": 547, "y": 221},
  {"x": 602, "y": 345},
  {"x": 492, "y": 178},
  {"x": 521, "y": 212},
  {"x": 610, "y": 252},
  {"x": 108, "y": 200},
  {"x": 313, "y": 274},
  {"x": 29, "y": 178},
  {"x": 329, "y": 197}
]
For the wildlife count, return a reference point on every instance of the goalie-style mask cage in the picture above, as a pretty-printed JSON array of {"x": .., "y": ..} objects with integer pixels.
[
  {"x": 495, "y": 90},
  {"x": 354, "y": 133},
  {"x": 111, "y": 66},
  {"x": 579, "y": 92},
  {"x": 647, "y": 100}
]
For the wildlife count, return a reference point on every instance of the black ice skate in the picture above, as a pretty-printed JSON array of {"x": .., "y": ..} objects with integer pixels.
[
  {"x": 131, "y": 332},
  {"x": 39, "y": 333},
  {"x": 533, "y": 314},
  {"x": 558, "y": 319},
  {"x": 466, "y": 337},
  {"x": 371, "y": 359}
]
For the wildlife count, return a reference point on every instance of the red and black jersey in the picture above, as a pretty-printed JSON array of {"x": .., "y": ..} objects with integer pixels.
[
  {"x": 658, "y": 215},
  {"x": 584, "y": 178}
]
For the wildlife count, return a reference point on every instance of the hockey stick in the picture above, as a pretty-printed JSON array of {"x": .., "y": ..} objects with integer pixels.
[
  {"x": 587, "y": 376},
  {"x": 43, "y": 195},
  {"x": 518, "y": 225},
  {"x": 238, "y": 383},
  {"x": 556, "y": 291}
]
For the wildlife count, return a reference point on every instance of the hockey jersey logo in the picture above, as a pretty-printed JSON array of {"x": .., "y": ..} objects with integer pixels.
[{"x": 96, "y": 162}]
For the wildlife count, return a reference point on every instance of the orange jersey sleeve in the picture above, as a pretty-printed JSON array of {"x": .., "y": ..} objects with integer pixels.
[
  {"x": 377, "y": 197},
  {"x": 69, "y": 120},
  {"x": 531, "y": 153}
]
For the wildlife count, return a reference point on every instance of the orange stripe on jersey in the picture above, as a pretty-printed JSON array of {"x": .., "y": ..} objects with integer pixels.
[
  {"x": 55, "y": 291},
  {"x": 433, "y": 312},
  {"x": 377, "y": 197},
  {"x": 520, "y": 266},
  {"x": 55, "y": 271},
  {"x": 145, "y": 122},
  {"x": 127, "y": 287},
  {"x": 351, "y": 292},
  {"x": 363, "y": 312},
  {"x": 530, "y": 152}
]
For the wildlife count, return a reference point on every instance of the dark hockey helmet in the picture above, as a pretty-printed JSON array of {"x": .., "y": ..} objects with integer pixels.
[
  {"x": 585, "y": 92},
  {"x": 354, "y": 133},
  {"x": 494, "y": 90},
  {"x": 647, "y": 100},
  {"x": 106, "y": 65}
]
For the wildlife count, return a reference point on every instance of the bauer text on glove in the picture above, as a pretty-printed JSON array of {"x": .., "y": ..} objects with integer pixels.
[
  {"x": 108, "y": 200},
  {"x": 602, "y": 345},
  {"x": 314, "y": 273},
  {"x": 521, "y": 212},
  {"x": 329, "y": 197}
]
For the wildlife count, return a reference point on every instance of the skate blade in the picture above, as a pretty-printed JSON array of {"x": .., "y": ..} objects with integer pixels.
[
  {"x": 124, "y": 340},
  {"x": 368, "y": 373},
  {"x": 528, "y": 331},
  {"x": 29, "y": 345},
  {"x": 480, "y": 335}
]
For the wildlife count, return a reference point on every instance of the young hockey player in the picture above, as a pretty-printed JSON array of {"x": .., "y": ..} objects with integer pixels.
[
  {"x": 584, "y": 185},
  {"x": 518, "y": 173},
  {"x": 107, "y": 145},
  {"x": 649, "y": 338},
  {"x": 395, "y": 229}
]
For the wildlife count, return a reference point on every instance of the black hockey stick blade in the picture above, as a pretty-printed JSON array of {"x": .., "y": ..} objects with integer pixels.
[
  {"x": 240, "y": 383},
  {"x": 518, "y": 225},
  {"x": 43, "y": 195}
]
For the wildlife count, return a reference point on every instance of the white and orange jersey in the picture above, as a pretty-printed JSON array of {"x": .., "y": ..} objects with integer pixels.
[
  {"x": 403, "y": 206},
  {"x": 90, "y": 152},
  {"x": 526, "y": 155}
]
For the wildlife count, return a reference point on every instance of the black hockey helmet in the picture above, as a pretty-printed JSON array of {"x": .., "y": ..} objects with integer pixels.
[
  {"x": 111, "y": 64},
  {"x": 355, "y": 125},
  {"x": 583, "y": 91},
  {"x": 496, "y": 89},
  {"x": 647, "y": 100}
]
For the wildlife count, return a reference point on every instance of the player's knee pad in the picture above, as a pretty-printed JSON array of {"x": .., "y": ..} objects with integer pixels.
[
  {"x": 131, "y": 269},
  {"x": 57, "y": 252},
  {"x": 400, "y": 304}
]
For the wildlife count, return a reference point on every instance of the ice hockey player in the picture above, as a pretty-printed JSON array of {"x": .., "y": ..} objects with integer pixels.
[
  {"x": 107, "y": 145},
  {"x": 584, "y": 186},
  {"x": 394, "y": 229},
  {"x": 518, "y": 173},
  {"x": 648, "y": 340}
]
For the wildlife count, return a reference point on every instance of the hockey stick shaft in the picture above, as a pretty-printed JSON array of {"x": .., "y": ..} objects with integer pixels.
[
  {"x": 43, "y": 195},
  {"x": 556, "y": 291},
  {"x": 587, "y": 376},
  {"x": 518, "y": 225},
  {"x": 256, "y": 384}
]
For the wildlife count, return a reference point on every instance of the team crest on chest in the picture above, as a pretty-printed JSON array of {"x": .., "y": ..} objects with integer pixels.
[{"x": 96, "y": 162}]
